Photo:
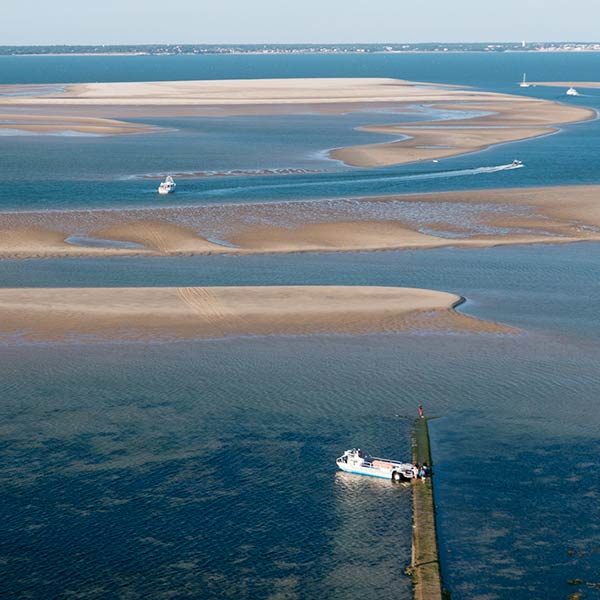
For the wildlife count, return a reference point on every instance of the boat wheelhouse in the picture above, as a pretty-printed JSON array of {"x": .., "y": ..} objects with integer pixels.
[{"x": 167, "y": 186}]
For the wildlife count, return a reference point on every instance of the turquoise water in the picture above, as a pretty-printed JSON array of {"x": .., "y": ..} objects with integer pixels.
[{"x": 205, "y": 469}]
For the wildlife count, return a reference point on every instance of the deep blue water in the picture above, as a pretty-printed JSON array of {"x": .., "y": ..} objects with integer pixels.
[
  {"x": 140, "y": 448},
  {"x": 205, "y": 469},
  {"x": 495, "y": 70}
]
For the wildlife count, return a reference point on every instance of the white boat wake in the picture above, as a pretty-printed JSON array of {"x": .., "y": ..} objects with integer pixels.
[
  {"x": 460, "y": 172},
  {"x": 351, "y": 181}
]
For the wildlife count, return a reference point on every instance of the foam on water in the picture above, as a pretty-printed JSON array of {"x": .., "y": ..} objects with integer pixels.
[{"x": 372, "y": 179}]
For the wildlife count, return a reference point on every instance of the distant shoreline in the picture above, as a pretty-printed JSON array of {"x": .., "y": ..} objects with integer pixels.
[
  {"x": 304, "y": 49},
  {"x": 317, "y": 53}
]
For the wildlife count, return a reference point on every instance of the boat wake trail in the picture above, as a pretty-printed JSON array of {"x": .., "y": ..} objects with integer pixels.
[
  {"x": 375, "y": 178},
  {"x": 461, "y": 172}
]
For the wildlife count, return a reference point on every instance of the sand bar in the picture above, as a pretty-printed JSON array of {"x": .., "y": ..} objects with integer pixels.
[
  {"x": 53, "y": 124},
  {"x": 568, "y": 84},
  {"x": 142, "y": 313},
  {"x": 503, "y": 119},
  {"x": 247, "y": 92},
  {"x": 518, "y": 117},
  {"x": 430, "y": 143},
  {"x": 472, "y": 219}
]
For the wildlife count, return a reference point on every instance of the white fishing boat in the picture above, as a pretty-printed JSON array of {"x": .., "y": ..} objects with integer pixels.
[
  {"x": 524, "y": 83},
  {"x": 572, "y": 92},
  {"x": 167, "y": 186},
  {"x": 358, "y": 462}
]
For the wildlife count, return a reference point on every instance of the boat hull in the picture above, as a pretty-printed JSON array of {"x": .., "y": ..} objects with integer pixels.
[{"x": 369, "y": 471}]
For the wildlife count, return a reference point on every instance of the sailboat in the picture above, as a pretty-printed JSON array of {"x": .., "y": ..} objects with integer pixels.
[{"x": 524, "y": 83}]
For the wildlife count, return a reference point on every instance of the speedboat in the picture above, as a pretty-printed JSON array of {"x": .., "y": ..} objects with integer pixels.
[
  {"x": 360, "y": 463},
  {"x": 167, "y": 186},
  {"x": 572, "y": 92},
  {"x": 516, "y": 163}
]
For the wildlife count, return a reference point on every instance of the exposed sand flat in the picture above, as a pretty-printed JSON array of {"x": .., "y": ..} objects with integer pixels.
[
  {"x": 506, "y": 119},
  {"x": 478, "y": 218},
  {"x": 141, "y": 313},
  {"x": 40, "y": 242},
  {"x": 520, "y": 117},
  {"x": 246, "y": 92},
  {"x": 517, "y": 111},
  {"x": 568, "y": 84},
  {"x": 319, "y": 237},
  {"x": 60, "y": 124},
  {"x": 427, "y": 144},
  {"x": 160, "y": 236}
]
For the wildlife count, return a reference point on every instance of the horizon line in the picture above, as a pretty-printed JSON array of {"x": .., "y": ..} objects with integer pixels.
[{"x": 384, "y": 42}]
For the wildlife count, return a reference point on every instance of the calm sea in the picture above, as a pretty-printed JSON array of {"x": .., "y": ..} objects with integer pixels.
[
  {"x": 206, "y": 469},
  {"x": 68, "y": 171}
]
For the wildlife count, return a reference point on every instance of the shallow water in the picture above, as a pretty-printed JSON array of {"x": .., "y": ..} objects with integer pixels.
[
  {"x": 108, "y": 171},
  {"x": 189, "y": 469},
  {"x": 205, "y": 469},
  {"x": 142, "y": 448}
]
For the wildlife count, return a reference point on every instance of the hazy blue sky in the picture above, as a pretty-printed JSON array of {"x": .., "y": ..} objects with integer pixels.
[{"x": 201, "y": 21}]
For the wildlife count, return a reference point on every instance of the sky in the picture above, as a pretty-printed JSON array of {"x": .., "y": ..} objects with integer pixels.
[{"x": 27, "y": 22}]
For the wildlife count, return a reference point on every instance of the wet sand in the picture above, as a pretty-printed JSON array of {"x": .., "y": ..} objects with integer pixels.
[
  {"x": 144, "y": 313},
  {"x": 505, "y": 119},
  {"x": 518, "y": 117},
  {"x": 428, "y": 144},
  {"x": 53, "y": 124},
  {"x": 479, "y": 218}
]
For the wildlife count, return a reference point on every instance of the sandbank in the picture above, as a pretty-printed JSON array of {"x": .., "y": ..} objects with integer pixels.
[
  {"x": 471, "y": 219},
  {"x": 245, "y": 92},
  {"x": 52, "y": 124},
  {"x": 428, "y": 144},
  {"x": 142, "y": 313},
  {"x": 519, "y": 117},
  {"x": 568, "y": 84},
  {"x": 503, "y": 119}
]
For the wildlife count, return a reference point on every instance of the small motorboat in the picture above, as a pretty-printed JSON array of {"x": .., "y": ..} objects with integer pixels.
[
  {"x": 572, "y": 92},
  {"x": 516, "y": 163},
  {"x": 167, "y": 186}
]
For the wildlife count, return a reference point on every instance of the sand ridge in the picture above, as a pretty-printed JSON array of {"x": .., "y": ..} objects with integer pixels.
[
  {"x": 245, "y": 92},
  {"x": 53, "y": 124},
  {"x": 504, "y": 119},
  {"x": 477, "y": 218},
  {"x": 201, "y": 312}
]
